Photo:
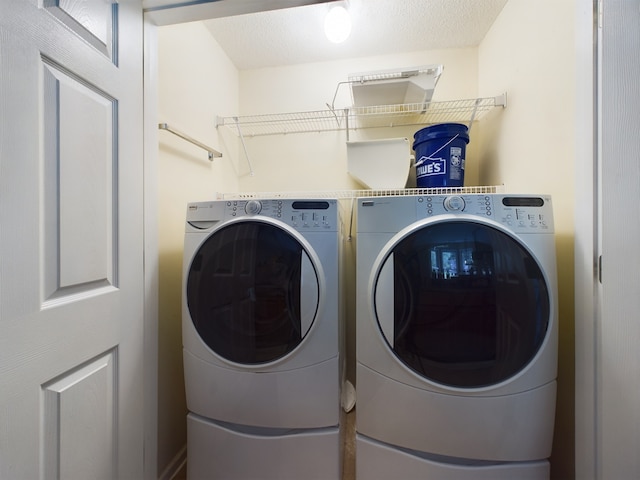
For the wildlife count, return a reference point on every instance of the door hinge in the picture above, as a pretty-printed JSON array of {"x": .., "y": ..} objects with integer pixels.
[
  {"x": 600, "y": 268},
  {"x": 600, "y": 13}
]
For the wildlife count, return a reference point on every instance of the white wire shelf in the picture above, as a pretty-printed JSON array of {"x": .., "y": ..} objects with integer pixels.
[
  {"x": 346, "y": 194},
  {"x": 460, "y": 111}
]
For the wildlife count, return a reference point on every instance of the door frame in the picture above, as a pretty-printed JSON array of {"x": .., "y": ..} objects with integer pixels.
[
  {"x": 151, "y": 251},
  {"x": 586, "y": 239}
]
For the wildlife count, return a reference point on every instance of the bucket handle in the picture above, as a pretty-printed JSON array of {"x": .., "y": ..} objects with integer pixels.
[{"x": 424, "y": 159}]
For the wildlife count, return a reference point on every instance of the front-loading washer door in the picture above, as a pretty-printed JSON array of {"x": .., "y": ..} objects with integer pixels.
[
  {"x": 252, "y": 292},
  {"x": 470, "y": 305}
]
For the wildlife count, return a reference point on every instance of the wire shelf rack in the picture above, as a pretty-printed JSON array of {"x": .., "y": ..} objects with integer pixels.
[
  {"x": 284, "y": 123},
  {"x": 347, "y": 194},
  {"x": 462, "y": 111}
]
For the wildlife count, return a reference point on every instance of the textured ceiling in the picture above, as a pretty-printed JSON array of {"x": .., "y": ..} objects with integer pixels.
[{"x": 296, "y": 35}]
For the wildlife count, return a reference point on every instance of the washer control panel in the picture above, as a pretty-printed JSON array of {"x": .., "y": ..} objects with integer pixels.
[
  {"x": 520, "y": 213},
  {"x": 303, "y": 215}
]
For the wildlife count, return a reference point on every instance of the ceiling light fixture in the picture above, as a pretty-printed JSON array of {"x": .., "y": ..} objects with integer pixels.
[{"x": 337, "y": 24}]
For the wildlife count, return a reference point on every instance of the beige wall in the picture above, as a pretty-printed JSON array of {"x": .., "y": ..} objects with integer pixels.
[
  {"x": 196, "y": 80},
  {"x": 318, "y": 161},
  {"x": 528, "y": 147}
]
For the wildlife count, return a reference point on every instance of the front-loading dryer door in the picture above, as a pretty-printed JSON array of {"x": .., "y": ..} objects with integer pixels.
[
  {"x": 470, "y": 306},
  {"x": 252, "y": 292}
]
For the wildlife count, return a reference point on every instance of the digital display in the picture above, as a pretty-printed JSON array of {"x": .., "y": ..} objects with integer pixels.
[
  {"x": 523, "y": 201},
  {"x": 310, "y": 205}
]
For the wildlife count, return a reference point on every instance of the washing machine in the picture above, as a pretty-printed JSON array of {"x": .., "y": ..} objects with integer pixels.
[
  {"x": 261, "y": 334},
  {"x": 457, "y": 333}
]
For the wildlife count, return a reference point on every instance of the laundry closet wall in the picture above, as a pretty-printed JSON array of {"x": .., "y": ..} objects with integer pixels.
[
  {"x": 528, "y": 146},
  {"x": 196, "y": 80},
  {"x": 530, "y": 52},
  {"x": 318, "y": 160}
]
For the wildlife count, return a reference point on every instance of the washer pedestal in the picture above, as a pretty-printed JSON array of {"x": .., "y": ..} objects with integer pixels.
[{"x": 223, "y": 452}]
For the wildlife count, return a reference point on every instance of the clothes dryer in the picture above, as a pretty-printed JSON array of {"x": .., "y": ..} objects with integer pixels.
[
  {"x": 456, "y": 336},
  {"x": 261, "y": 333}
]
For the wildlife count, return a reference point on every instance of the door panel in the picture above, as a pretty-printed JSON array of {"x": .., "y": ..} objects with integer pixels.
[
  {"x": 82, "y": 400},
  {"x": 79, "y": 160},
  {"x": 93, "y": 21},
  {"x": 71, "y": 244}
]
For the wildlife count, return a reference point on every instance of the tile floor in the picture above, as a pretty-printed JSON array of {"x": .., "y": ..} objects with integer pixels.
[{"x": 349, "y": 447}]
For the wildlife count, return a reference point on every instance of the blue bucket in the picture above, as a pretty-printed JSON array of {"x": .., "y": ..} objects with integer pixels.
[{"x": 440, "y": 155}]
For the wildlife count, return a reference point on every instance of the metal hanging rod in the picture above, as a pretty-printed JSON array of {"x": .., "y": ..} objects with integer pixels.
[{"x": 212, "y": 153}]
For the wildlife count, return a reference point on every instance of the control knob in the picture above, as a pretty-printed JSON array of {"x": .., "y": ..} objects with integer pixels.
[
  {"x": 253, "y": 207},
  {"x": 454, "y": 203}
]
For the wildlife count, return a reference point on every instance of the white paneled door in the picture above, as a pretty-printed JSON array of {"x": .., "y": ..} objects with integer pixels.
[
  {"x": 71, "y": 243},
  {"x": 618, "y": 338}
]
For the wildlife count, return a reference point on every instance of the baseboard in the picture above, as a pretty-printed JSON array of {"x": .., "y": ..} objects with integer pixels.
[{"x": 176, "y": 464}]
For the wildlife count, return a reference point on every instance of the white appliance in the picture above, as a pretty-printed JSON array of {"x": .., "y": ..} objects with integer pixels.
[
  {"x": 261, "y": 337},
  {"x": 456, "y": 336}
]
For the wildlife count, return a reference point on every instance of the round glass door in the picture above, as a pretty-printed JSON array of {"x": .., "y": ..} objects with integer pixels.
[
  {"x": 470, "y": 305},
  {"x": 252, "y": 292}
]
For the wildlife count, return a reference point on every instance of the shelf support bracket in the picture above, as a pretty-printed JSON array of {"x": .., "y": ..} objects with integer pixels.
[
  {"x": 346, "y": 121},
  {"x": 244, "y": 146},
  {"x": 473, "y": 114}
]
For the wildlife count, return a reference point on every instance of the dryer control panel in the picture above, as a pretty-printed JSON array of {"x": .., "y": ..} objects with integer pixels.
[
  {"x": 303, "y": 215},
  {"x": 520, "y": 213}
]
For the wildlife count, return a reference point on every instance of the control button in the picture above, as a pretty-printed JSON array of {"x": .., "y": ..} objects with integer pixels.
[
  {"x": 253, "y": 207},
  {"x": 454, "y": 203}
]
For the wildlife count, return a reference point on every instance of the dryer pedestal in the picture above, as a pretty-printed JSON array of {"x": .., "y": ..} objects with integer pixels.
[
  {"x": 379, "y": 461},
  {"x": 227, "y": 452},
  {"x": 476, "y": 428}
]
